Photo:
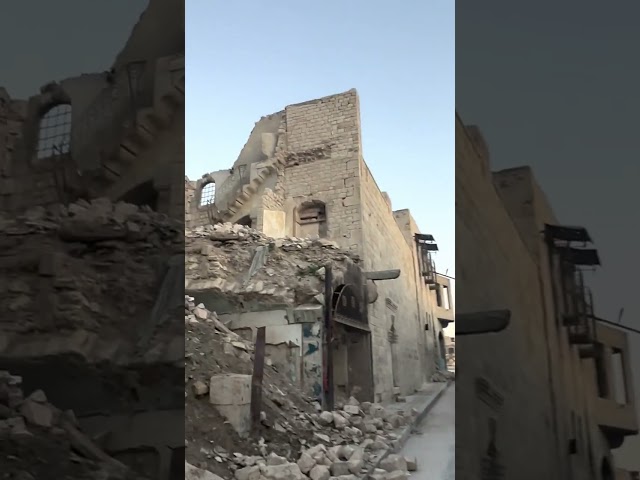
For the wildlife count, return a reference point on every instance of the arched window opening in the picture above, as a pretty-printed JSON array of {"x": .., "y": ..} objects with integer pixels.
[
  {"x": 311, "y": 220},
  {"x": 54, "y": 134},
  {"x": 208, "y": 194}
]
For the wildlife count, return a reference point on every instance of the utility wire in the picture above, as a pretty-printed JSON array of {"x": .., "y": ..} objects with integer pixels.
[{"x": 618, "y": 325}]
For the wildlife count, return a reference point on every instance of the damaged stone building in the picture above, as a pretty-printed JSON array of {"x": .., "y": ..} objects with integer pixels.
[
  {"x": 556, "y": 382},
  {"x": 91, "y": 208},
  {"x": 302, "y": 174}
]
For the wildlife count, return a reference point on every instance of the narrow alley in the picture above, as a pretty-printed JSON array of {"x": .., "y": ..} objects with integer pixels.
[{"x": 434, "y": 441}]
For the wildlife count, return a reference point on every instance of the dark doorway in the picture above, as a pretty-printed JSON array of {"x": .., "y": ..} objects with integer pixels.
[
  {"x": 246, "y": 221},
  {"x": 606, "y": 472},
  {"x": 443, "y": 354},
  {"x": 143, "y": 194},
  {"x": 177, "y": 463}
]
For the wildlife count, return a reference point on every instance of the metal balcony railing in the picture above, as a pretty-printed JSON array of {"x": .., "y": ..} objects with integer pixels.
[
  {"x": 426, "y": 244},
  {"x": 579, "y": 317}
]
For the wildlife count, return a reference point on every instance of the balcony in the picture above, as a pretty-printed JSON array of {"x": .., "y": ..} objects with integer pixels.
[
  {"x": 614, "y": 406},
  {"x": 426, "y": 244},
  {"x": 574, "y": 299},
  {"x": 578, "y": 317}
]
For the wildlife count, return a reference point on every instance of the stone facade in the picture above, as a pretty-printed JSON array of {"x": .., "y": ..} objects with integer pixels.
[
  {"x": 116, "y": 134},
  {"x": 529, "y": 378},
  {"x": 302, "y": 173},
  {"x": 93, "y": 165}
]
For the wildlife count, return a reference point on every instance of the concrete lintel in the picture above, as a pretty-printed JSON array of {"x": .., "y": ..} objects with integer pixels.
[
  {"x": 482, "y": 322},
  {"x": 383, "y": 275}
]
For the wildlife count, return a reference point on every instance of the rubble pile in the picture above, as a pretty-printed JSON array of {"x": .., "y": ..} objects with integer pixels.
[
  {"x": 442, "y": 376},
  {"x": 88, "y": 266},
  {"x": 40, "y": 441},
  {"x": 241, "y": 261},
  {"x": 295, "y": 439}
]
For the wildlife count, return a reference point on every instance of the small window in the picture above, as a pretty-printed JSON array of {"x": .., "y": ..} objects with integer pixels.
[
  {"x": 54, "y": 135},
  {"x": 208, "y": 194}
]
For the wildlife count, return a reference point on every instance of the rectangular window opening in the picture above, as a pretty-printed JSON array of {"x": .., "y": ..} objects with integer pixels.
[
  {"x": 445, "y": 297},
  {"x": 619, "y": 379}
]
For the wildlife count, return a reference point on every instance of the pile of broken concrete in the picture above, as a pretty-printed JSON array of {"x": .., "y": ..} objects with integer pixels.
[
  {"x": 241, "y": 262},
  {"x": 295, "y": 438},
  {"x": 38, "y": 441},
  {"x": 90, "y": 266}
]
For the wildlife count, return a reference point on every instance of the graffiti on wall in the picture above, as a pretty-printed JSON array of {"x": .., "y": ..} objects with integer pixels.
[{"x": 312, "y": 372}]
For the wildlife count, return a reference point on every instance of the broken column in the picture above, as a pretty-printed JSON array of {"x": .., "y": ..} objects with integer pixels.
[{"x": 231, "y": 395}]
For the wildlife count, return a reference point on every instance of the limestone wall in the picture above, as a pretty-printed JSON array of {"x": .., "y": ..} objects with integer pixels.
[
  {"x": 115, "y": 117},
  {"x": 323, "y": 145},
  {"x": 573, "y": 381},
  {"x": 498, "y": 272},
  {"x": 501, "y": 254},
  {"x": 384, "y": 247},
  {"x": 428, "y": 310}
]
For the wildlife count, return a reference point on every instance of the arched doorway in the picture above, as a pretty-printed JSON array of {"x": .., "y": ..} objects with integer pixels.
[{"x": 351, "y": 345}]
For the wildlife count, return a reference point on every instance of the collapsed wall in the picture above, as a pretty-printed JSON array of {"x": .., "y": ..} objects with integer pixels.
[
  {"x": 250, "y": 269},
  {"x": 42, "y": 441},
  {"x": 295, "y": 439},
  {"x": 90, "y": 312}
]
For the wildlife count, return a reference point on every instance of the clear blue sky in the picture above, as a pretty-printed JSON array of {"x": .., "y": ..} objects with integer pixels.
[{"x": 247, "y": 59}]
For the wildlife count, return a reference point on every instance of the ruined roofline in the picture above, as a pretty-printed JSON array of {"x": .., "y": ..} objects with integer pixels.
[
  {"x": 536, "y": 189},
  {"x": 328, "y": 97},
  {"x": 475, "y": 141}
]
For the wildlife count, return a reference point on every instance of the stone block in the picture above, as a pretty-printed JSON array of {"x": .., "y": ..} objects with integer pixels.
[
  {"x": 231, "y": 395},
  {"x": 412, "y": 463},
  {"x": 37, "y": 413},
  {"x": 396, "y": 475},
  {"x": 393, "y": 463},
  {"x": 340, "y": 468},
  {"x": 320, "y": 472},
  {"x": 248, "y": 473},
  {"x": 306, "y": 462}
]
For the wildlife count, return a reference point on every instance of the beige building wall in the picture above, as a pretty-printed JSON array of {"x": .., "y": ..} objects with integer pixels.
[
  {"x": 536, "y": 359},
  {"x": 491, "y": 255},
  {"x": 311, "y": 154}
]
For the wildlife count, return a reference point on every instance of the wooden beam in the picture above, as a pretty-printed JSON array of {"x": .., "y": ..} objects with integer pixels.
[
  {"x": 482, "y": 322},
  {"x": 258, "y": 375},
  {"x": 383, "y": 275}
]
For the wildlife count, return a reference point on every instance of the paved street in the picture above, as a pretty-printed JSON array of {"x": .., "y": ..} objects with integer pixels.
[{"x": 434, "y": 442}]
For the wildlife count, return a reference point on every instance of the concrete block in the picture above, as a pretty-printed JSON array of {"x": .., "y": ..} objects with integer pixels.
[{"x": 231, "y": 395}]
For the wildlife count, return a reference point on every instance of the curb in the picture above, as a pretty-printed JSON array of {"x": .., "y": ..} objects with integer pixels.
[{"x": 406, "y": 432}]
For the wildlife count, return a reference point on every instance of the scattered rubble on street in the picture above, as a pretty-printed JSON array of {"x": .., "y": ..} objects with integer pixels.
[
  {"x": 296, "y": 439},
  {"x": 41, "y": 441}
]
